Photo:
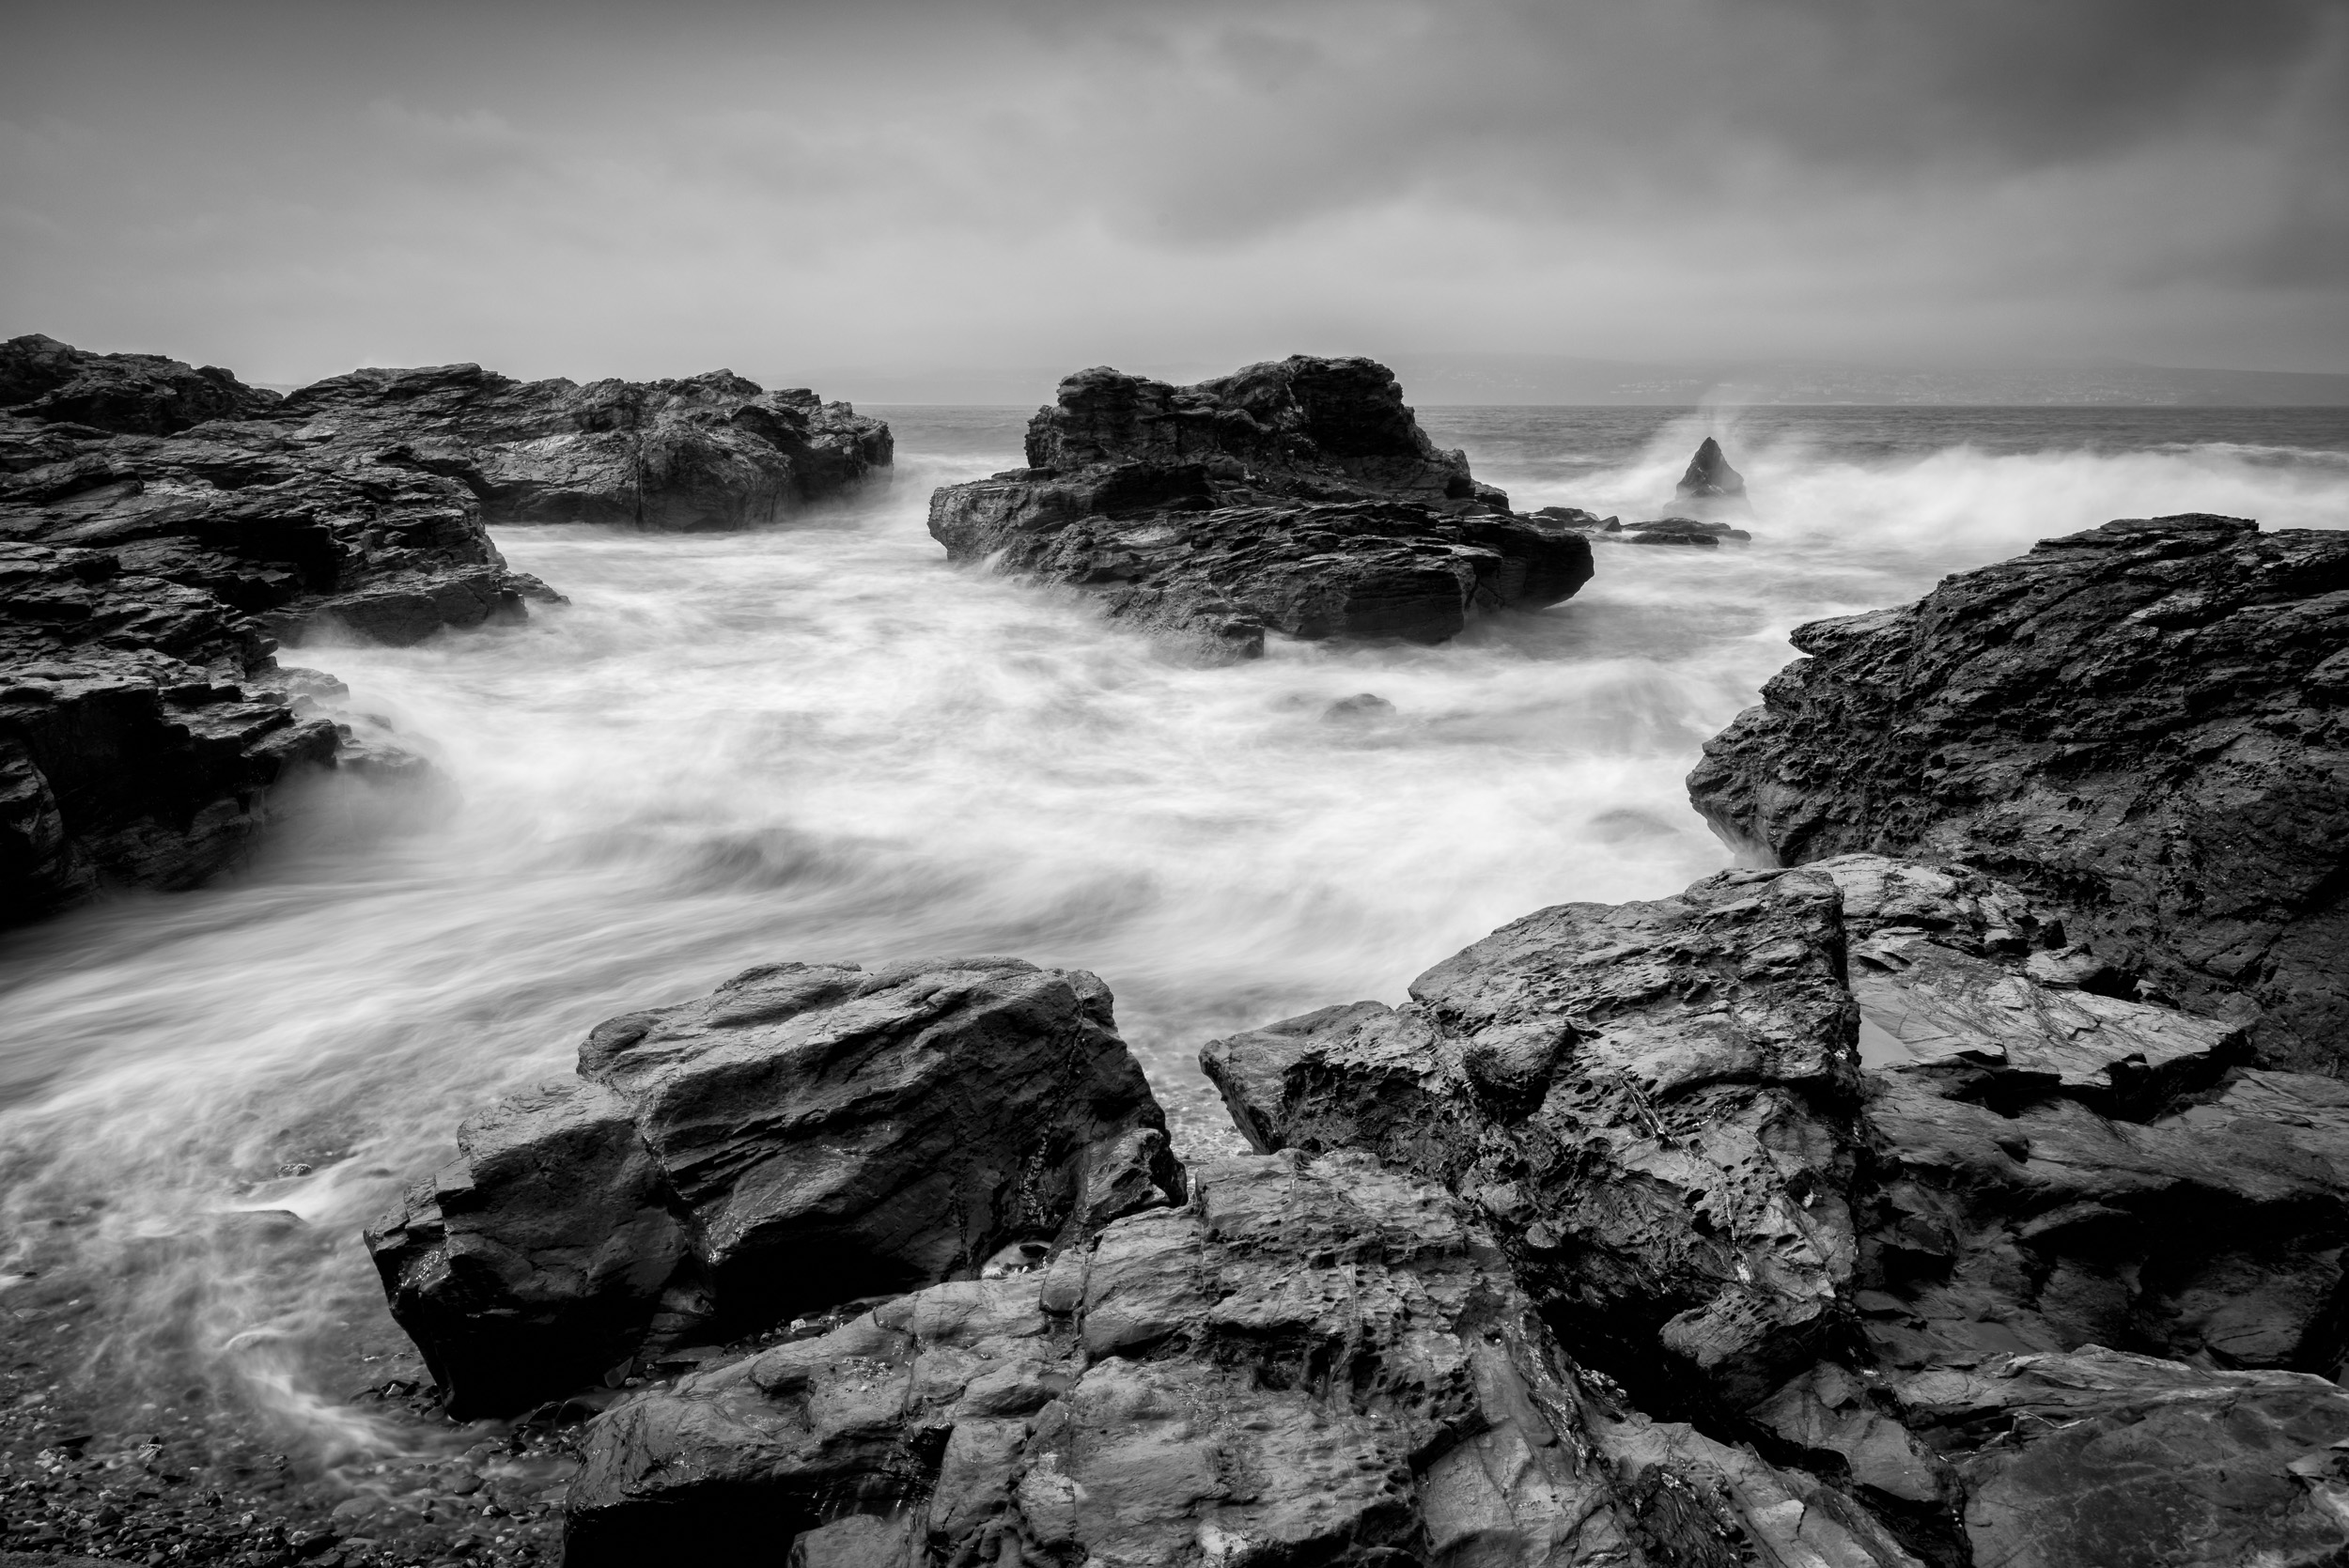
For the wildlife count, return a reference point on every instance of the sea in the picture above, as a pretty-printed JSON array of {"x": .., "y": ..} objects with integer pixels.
[{"x": 823, "y": 742}]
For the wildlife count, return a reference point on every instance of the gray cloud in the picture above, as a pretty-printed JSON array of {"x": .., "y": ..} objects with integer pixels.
[{"x": 584, "y": 189}]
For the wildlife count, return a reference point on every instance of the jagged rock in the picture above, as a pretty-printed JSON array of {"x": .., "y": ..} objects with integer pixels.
[
  {"x": 145, "y": 583},
  {"x": 1298, "y": 497},
  {"x": 1312, "y": 1361},
  {"x": 806, "y": 1135},
  {"x": 2023, "y": 1164},
  {"x": 44, "y": 379},
  {"x": 707, "y": 452},
  {"x": 2096, "y": 1458},
  {"x": 2142, "y": 726},
  {"x": 1575, "y": 517},
  {"x": 1651, "y": 1104},
  {"x": 1708, "y": 475}
]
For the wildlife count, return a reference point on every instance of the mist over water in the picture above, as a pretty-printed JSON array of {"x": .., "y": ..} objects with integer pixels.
[{"x": 825, "y": 743}]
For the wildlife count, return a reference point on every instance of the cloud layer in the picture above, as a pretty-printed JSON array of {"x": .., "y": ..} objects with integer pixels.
[{"x": 789, "y": 189}]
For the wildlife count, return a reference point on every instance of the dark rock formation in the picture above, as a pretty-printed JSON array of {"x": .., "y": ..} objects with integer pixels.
[
  {"x": 1823, "y": 1218},
  {"x": 143, "y": 583},
  {"x": 44, "y": 379},
  {"x": 708, "y": 452},
  {"x": 1689, "y": 532},
  {"x": 2144, "y": 726},
  {"x": 1299, "y": 497},
  {"x": 1708, "y": 475},
  {"x": 806, "y": 1135},
  {"x": 1652, "y": 1103},
  {"x": 1312, "y": 1361}
]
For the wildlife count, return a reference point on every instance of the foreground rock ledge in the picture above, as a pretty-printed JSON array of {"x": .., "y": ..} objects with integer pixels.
[
  {"x": 2144, "y": 726},
  {"x": 1314, "y": 1361},
  {"x": 1298, "y": 497},
  {"x": 806, "y": 1135},
  {"x": 1792, "y": 1152}
]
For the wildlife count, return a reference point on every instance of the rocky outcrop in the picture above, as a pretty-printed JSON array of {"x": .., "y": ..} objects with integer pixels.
[
  {"x": 1314, "y": 1360},
  {"x": 1299, "y": 498},
  {"x": 708, "y": 452},
  {"x": 806, "y": 1135},
  {"x": 1708, "y": 475},
  {"x": 1862, "y": 1163},
  {"x": 49, "y": 381},
  {"x": 2145, "y": 726},
  {"x": 1652, "y": 1103},
  {"x": 145, "y": 583}
]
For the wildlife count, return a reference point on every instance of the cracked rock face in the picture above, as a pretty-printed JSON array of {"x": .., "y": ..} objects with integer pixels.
[
  {"x": 1652, "y": 1103},
  {"x": 2145, "y": 728},
  {"x": 806, "y": 1135},
  {"x": 144, "y": 584},
  {"x": 1298, "y": 497},
  {"x": 43, "y": 380},
  {"x": 1312, "y": 1361},
  {"x": 705, "y": 452},
  {"x": 1793, "y": 1151}
]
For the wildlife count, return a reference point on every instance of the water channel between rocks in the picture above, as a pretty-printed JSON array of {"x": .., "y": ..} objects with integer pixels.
[{"x": 824, "y": 743}]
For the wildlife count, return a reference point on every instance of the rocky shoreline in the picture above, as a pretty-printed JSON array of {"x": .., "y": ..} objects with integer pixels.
[
  {"x": 1967, "y": 1181},
  {"x": 165, "y": 530}
]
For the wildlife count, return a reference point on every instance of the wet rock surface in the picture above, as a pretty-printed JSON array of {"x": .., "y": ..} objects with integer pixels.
[
  {"x": 145, "y": 582},
  {"x": 1314, "y": 1360},
  {"x": 1797, "y": 1153},
  {"x": 1297, "y": 497},
  {"x": 51, "y": 382},
  {"x": 806, "y": 1135},
  {"x": 1708, "y": 475},
  {"x": 2142, "y": 725},
  {"x": 714, "y": 451}
]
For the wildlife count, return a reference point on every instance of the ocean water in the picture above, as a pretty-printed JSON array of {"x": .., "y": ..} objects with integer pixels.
[{"x": 822, "y": 742}]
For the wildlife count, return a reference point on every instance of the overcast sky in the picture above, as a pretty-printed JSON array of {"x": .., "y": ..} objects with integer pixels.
[{"x": 645, "y": 190}]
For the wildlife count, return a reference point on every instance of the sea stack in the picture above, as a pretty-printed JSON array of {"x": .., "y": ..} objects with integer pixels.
[{"x": 1709, "y": 477}]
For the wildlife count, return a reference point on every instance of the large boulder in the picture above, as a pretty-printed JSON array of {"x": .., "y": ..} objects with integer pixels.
[
  {"x": 1312, "y": 1361},
  {"x": 707, "y": 452},
  {"x": 1298, "y": 497},
  {"x": 1650, "y": 1103},
  {"x": 1772, "y": 1152},
  {"x": 2144, "y": 726},
  {"x": 43, "y": 380},
  {"x": 806, "y": 1135}
]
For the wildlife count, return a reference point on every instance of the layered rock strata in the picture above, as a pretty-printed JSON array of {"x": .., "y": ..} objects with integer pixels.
[
  {"x": 2145, "y": 726},
  {"x": 1815, "y": 1158},
  {"x": 1299, "y": 498},
  {"x": 806, "y": 1135},
  {"x": 714, "y": 451}
]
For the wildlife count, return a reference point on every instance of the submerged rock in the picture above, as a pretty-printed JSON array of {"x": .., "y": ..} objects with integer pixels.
[
  {"x": 806, "y": 1135},
  {"x": 1298, "y": 497},
  {"x": 1312, "y": 1361},
  {"x": 1689, "y": 532},
  {"x": 2145, "y": 726},
  {"x": 707, "y": 452}
]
